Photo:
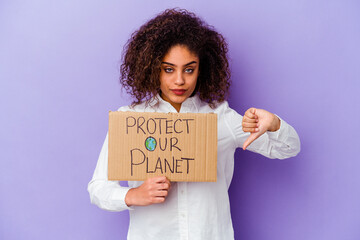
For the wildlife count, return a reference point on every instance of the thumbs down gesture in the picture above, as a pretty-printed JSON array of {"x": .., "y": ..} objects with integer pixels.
[{"x": 257, "y": 122}]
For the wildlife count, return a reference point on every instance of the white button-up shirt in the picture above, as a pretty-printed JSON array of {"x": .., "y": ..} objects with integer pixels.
[{"x": 192, "y": 210}]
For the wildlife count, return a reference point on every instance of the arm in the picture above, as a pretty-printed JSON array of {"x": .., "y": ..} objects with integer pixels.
[
  {"x": 109, "y": 195},
  {"x": 269, "y": 135},
  {"x": 270, "y": 139}
]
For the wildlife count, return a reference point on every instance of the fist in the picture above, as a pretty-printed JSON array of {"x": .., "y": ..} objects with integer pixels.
[
  {"x": 257, "y": 122},
  {"x": 153, "y": 190}
]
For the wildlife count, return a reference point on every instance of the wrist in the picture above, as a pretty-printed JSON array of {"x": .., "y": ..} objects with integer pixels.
[
  {"x": 129, "y": 197},
  {"x": 276, "y": 124}
]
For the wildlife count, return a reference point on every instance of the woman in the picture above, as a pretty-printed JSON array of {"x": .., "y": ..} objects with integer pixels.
[{"x": 177, "y": 63}]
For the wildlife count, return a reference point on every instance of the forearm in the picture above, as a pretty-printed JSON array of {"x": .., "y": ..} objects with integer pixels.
[
  {"x": 281, "y": 144},
  {"x": 108, "y": 195}
]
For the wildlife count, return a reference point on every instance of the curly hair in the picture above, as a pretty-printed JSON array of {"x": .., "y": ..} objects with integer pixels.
[{"x": 140, "y": 70}]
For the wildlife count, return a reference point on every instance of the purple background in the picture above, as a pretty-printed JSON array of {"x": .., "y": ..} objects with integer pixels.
[{"x": 59, "y": 78}]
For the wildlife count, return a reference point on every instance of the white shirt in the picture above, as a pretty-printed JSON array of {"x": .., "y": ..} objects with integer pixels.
[{"x": 192, "y": 210}]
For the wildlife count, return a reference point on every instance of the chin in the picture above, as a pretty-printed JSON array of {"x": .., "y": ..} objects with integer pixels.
[
  {"x": 179, "y": 99},
  {"x": 172, "y": 98}
]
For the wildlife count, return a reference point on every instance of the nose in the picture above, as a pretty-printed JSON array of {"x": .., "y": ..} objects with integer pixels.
[{"x": 180, "y": 80}]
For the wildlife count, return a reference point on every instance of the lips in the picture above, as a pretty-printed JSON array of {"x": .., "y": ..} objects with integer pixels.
[{"x": 178, "y": 92}]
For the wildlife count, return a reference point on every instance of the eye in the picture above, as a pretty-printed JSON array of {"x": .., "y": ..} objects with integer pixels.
[
  {"x": 189, "y": 70},
  {"x": 168, "y": 70}
]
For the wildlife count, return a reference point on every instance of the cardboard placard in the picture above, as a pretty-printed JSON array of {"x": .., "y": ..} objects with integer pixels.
[{"x": 180, "y": 146}]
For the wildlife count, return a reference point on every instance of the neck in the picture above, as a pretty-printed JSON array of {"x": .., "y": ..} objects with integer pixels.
[{"x": 177, "y": 106}]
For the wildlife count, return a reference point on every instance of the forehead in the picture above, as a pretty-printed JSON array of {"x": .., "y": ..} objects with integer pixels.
[{"x": 180, "y": 54}]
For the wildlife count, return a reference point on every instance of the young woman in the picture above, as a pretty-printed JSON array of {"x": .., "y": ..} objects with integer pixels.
[{"x": 177, "y": 63}]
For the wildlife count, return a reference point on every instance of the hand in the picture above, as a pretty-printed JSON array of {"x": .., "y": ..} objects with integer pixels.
[
  {"x": 153, "y": 190},
  {"x": 257, "y": 122}
]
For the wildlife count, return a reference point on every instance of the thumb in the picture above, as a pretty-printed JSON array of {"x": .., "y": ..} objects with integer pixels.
[{"x": 250, "y": 139}]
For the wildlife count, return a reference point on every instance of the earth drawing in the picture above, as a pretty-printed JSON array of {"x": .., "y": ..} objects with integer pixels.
[{"x": 150, "y": 143}]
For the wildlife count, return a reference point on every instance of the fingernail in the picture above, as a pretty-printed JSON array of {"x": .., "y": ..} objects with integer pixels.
[{"x": 256, "y": 129}]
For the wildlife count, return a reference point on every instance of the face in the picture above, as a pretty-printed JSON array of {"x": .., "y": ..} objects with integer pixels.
[{"x": 178, "y": 76}]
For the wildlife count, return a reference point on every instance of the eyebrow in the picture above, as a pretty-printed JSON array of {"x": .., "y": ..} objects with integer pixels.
[{"x": 175, "y": 65}]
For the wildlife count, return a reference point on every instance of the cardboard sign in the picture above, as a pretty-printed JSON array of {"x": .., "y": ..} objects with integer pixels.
[{"x": 181, "y": 146}]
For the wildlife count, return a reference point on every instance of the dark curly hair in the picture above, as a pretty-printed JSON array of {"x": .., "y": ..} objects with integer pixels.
[{"x": 146, "y": 48}]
